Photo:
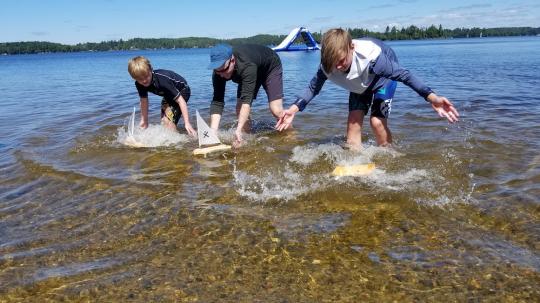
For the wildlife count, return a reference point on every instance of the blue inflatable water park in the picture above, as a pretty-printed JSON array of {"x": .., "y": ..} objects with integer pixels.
[{"x": 287, "y": 43}]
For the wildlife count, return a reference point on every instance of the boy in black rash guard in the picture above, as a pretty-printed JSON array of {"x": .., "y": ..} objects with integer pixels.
[
  {"x": 167, "y": 84},
  {"x": 368, "y": 69},
  {"x": 251, "y": 66}
]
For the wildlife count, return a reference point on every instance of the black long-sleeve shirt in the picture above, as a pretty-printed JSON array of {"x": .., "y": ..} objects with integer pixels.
[{"x": 253, "y": 65}]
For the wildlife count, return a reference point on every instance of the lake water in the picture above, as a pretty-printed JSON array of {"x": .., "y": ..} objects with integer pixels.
[{"x": 452, "y": 212}]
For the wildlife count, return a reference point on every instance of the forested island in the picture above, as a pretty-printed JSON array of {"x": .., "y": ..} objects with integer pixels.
[{"x": 408, "y": 33}]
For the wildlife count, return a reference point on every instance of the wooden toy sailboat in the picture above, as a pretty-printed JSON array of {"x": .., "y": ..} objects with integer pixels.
[
  {"x": 353, "y": 170},
  {"x": 208, "y": 138}
]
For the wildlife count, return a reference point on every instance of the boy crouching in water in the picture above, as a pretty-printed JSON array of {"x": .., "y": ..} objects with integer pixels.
[
  {"x": 167, "y": 84},
  {"x": 368, "y": 69}
]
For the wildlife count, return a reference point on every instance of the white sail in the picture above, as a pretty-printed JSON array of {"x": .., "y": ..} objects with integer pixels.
[
  {"x": 206, "y": 135},
  {"x": 131, "y": 126}
]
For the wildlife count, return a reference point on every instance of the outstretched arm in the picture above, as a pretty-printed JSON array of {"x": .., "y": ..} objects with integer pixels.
[
  {"x": 388, "y": 67},
  {"x": 144, "y": 113},
  {"x": 443, "y": 107},
  {"x": 218, "y": 101},
  {"x": 185, "y": 114},
  {"x": 287, "y": 117},
  {"x": 243, "y": 116},
  {"x": 313, "y": 89}
]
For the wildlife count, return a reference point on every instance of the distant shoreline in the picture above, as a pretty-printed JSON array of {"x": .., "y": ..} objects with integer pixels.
[{"x": 390, "y": 34}]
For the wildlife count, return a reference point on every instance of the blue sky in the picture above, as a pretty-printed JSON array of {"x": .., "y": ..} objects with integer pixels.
[{"x": 74, "y": 21}]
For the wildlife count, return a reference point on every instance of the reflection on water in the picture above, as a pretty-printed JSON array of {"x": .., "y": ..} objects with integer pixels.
[{"x": 449, "y": 214}]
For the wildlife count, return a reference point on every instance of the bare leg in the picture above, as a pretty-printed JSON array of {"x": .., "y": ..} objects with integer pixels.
[
  {"x": 354, "y": 129},
  {"x": 165, "y": 120},
  {"x": 214, "y": 121},
  {"x": 381, "y": 130}
]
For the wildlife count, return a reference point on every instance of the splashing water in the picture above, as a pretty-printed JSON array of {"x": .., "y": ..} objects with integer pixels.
[
  {"x": 283, "y": 185},
  {"x": 153, "y": 136},
  {"x": 306, "y": 155},
  {"x": 308, "y": 171}
]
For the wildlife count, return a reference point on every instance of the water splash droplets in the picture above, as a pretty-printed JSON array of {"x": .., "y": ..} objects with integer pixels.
[{"x": 154, "y": 136}]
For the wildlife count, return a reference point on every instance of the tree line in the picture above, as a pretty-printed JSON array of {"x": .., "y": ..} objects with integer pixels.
[
  {"x": 391, "y": 33},
  {"x": 414, "y": 33}
]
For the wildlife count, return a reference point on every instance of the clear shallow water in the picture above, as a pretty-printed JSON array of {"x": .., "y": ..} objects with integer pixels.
[{"x": 452, "y": 213}]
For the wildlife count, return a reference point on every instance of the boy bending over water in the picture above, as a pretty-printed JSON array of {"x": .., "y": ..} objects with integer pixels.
[
  {"x": 165, "y": 83},
  {"x": 368, "y": 69}
]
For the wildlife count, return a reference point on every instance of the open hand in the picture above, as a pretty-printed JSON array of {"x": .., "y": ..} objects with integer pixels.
[
  {"x": 286, "y": 119},
  {"x": 239, "y": 141},
  {"x": 444, "y": 108},
  {"x": 191, "y": 132}
]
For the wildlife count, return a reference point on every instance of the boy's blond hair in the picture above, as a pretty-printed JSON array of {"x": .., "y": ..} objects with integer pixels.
[
  {"x": 139, "y": 67},
  {"x": 335, "y": 45}
]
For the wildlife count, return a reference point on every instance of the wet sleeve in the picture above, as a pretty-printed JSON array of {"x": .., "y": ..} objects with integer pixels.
[
  {"x": 218, "y": 101},
  {"x": 248, "y": 84},
  {"x": 389, "y": 68},
  {"x": 313, "y": 89}
]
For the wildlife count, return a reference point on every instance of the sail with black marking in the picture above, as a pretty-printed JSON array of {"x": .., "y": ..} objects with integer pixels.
[{"x": 206, "y": 135}]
